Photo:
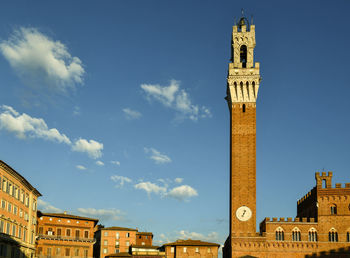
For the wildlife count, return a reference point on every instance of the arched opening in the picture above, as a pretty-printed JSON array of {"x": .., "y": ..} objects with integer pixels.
[
  {"x": 279, "y": 234},
  {"x": 312, "y": 235},
  {"x": 333, "y": 209},
  {"x": 324, "y": 183},
  {"x": 243, "y": 55},
  {"x": 296, "y": 235},
  {"x": 333, "y": 235}
]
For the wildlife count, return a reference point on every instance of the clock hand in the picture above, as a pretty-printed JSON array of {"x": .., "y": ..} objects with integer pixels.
[{"x": 243, "y": 213}]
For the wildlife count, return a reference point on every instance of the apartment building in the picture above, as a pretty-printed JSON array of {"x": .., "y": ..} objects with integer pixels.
[
  {"x": 18, "y": 214},
  {"x": 62, "y": 234},
  {"x": 190, "y": 248}
]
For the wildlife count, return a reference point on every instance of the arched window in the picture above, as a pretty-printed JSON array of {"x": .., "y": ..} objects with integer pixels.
[
  {"x": 312, "y": 235},
  {"x": 243, "y": 55},
  {"x": 333, "y": 209},
  {"x": 333, "y": 235},
  {"x": 279, "y": 234},
  {"x": 296, "y": 236}
]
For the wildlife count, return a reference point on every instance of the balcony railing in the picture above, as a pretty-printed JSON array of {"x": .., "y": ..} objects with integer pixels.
[{"x": 67, "y": 238}]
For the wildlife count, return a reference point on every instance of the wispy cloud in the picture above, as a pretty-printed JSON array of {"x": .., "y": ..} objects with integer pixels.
[
  {"x": 99, "y": 163},
  {"x": 175, "y": 98},
  {"x": 150, "y": 188},
  {"x": 115, "y": 162},
  {"x": 156, "y": 156},
  {"x": 41, "y": 61},
  {"x": 91, "y": 147},
  {"x": 131, "y": 114},
  {"x": 24, "y": 126},
  {"x": 182, "y": 193},
  {"x": 102, "y": 214},
  {"x": 179, "y": 180},
  {"x": 186, "y": 234},
  {"x": 80, "y": 167},
  {"x": 120, "y": 180},
  {"x": 47, "y": 207}
]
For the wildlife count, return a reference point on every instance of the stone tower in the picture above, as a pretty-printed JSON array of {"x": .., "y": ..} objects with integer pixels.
[{"x": 242, "y": 89}]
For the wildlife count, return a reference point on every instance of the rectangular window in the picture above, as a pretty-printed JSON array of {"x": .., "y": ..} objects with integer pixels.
[
  {"x": 105, "y": 242},
  {"x": 104, "y": 250},
  {"x": 127, "y": 243},
  {"x": 185, "y": 249},
  {"x": 22, "y": 196},
  {"x": 68, "y": 232},
  {"x": 76, "y": 253},
  {"x": 67, "y": 252},
  {"x": 105, "y": 233},
  {"x": 10, "y": 189},
  {"x": 172, "y": 249},
  {"x": 15, "y": 209},
  {"x": 197, "y": 250},
  {"x": 8, "y": 228},
  {"x": 41, "y": 230},
  {"x": 58, "y": 251},
  {"x": 40, "y": 250},
  {"x": 34, "y": 205},
  {"x": 117, "y": 235},
  {"x": 20, "y": 232},
  {"x": 117, "y": 251},
  {"x": 77, "y": 233},
  {"x": 3, "y": 204},
  {"x": 128, "y": 234},
  {"x": 59, "y": 232},
  {"x": 27, "y": 200},
  {"x": 49, "y": 253},
  {"x": 24, "y": 235},
  {"x": 4, "y": 185},
  {"x": 20, "y": 213},
  {"x": 14, "y": 230},
  {"x": 1, "y": 226},
  {"x": 9, "y": 207},
  {"x": 86, "y": 253},
  {"x": 117, "y": 243},
  {"x": 86, "y": 234},
  {"x": 209, "y": 250}
]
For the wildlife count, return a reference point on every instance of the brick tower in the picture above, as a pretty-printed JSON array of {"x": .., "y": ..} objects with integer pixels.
[{"x": 242, "y": 90}]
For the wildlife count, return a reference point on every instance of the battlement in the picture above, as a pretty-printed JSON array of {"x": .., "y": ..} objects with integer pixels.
[
  {"x": 324, "y": 178},
  {"x": 289, "y": 220},
  {"x": 306, "y": 197}
]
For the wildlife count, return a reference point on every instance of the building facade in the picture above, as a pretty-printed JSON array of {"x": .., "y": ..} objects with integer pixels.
[
  {"x": 322, "y": 225},
  {"x": 18, "y": 214},
  {"x": 112, "y": 240},
  {"x": 144, "y": 238},
  {"x": 65, "y": 235},
  {"x": 190, "y": 248}
]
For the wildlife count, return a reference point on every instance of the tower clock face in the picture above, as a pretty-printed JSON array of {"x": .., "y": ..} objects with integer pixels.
[{"x": 243, "y": 213}]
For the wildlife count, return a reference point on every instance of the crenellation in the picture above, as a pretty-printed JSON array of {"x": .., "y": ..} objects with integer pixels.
[{"x": 338, "y": 185}]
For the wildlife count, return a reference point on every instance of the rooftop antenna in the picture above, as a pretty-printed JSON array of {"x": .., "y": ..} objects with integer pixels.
[{"x": 251, "y": 19}]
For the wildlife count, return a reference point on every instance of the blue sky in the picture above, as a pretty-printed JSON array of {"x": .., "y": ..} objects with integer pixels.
[{"x": 116, "y": 110}]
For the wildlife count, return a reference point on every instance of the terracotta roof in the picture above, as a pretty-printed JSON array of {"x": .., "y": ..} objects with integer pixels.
[
  {"x": 145, "y": 233},
  {"x": 65, "y": 215},
  {"x": 24, "y": 181},
  {"x": 119, "y": 228},
  {"x": 190, "y": 242},
  {"x": 123, "y": 254}
]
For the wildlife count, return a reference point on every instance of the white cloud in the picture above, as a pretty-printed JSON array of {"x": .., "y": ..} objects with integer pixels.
[
  {"x": 178, "y": 99},
  {"x": 47, "y": 207},
  {"x": 150, "y": 188},
  {"x": 115, "y": 162},
  {"x": 26, "y": 126},
  {"x": 102, "y": 214},
  {"x": 120, "y": 180},
  {"x": 185, "y": 234},
  {"x": 43, "y": 61},
  {"x": 76, "y": 111},
  {"x": 100, "y": 163},
  {"x": 157, "y": 156},
  {"x": 81, "y": 167},
  {"x": 91, "y": 147},
  {"x": 182, "y": 193},
  {"x": 131, "y": 114},
  {"x": 179, "y": 180}
]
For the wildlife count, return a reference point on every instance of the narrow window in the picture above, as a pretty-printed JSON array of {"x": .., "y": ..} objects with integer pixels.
[
  {"x": 348, "y": 237},
  {"x": 77, "y": 233},
  {"x": 185, "y": 249},
  {"x": 243, "y": 55},
  {"x": 279, "y": 234},
  {"x": 86, "y": 234},
  {"x": 333, "y": 209},
  {"x": 59, "y": 232},
  {"x": 243, "y": 108}
]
